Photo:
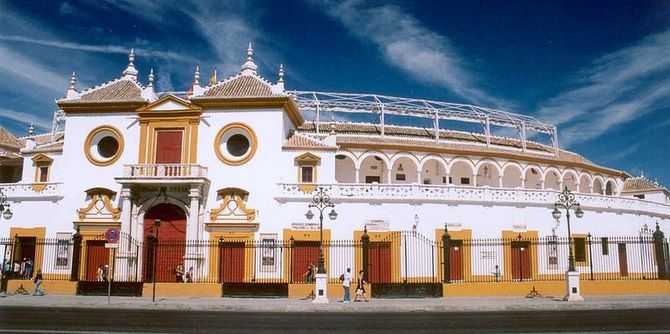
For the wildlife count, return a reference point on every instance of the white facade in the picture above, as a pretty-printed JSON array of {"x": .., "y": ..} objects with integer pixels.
[{"x": 411, "y": 183}]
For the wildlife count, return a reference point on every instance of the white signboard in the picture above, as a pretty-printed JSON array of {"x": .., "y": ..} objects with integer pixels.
[
  {"x": 305, "y": 225},
  {"x": 377, "y": 224},
  {"x": 111, "y": 245}
]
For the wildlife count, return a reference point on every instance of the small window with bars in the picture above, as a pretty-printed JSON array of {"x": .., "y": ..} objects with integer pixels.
[{"x": 307, "y": 174}]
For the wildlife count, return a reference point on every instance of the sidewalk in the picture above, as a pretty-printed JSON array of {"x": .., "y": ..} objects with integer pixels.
[{"x": 477, "y": 304}]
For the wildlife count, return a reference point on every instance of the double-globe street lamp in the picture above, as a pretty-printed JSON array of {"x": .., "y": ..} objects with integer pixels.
[
  {"x": 566, "y": 200},
  {"x": 6, "y": 213},
  {"x": 153, "y": 238},
  {"x": 321, "y": 201}
]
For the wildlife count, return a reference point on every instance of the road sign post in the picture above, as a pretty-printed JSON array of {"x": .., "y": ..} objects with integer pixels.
[{"x": 112, "y": 238}]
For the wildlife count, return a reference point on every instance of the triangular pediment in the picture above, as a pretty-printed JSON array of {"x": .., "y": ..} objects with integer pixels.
[
  {"x": 43, "y": 158},
  {"x": 307, "y": 158},
  {"x": 169, "y": 103}
]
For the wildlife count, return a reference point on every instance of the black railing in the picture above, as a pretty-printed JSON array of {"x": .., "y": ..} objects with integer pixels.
[{"x": 397, "y": 258}]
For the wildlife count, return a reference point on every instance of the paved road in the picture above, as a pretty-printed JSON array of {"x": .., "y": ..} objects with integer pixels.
[{"x": 74, "y": 320}]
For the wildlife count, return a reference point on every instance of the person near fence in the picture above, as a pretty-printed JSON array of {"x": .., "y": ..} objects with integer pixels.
[
  {"x": 179, "y": 273},
  {"x": 38, "y": 281},
  {"x": 310, "y": 274},
  {"x": 189, "y": 275},
  {"x": 28, "y": 271},
  {"x": 22, "y": 268},
  {"x": 360, "y": 287},
  {"x": 496, "y": 273},
  {"x": 99, "y": 273},
  {"x": 346, "y": 284}
]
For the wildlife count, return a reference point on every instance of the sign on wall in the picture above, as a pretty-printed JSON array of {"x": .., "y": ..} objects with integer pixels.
[
  {"x": 305, "y": 226},
  {"x": 63, "y": 248},
  {"x": 377, "y": 224},
  {"x": 268, "y": 251}
]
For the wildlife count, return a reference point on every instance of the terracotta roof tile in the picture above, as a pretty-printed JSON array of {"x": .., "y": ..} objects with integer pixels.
[
  {"x": 301, "y": 141},
  {"x": 240, "y": 86},
  {"x": 119, "y": 91},
  {"x": 640, "y": 183},
  {"x": 7, "y": 139}
]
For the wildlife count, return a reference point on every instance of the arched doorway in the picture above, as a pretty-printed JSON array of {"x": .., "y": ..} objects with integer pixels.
[{"x": 171, "y": 244}]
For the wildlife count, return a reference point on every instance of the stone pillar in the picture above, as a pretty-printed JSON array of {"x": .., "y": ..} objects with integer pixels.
[
  {"x": 358, "y": 172},
  {"x": 194, "y": 255},
  {"x": 500, "y": 181},
  {"x": 126, "y": 213},
  {"x": 445, "y": 255},
  {"x": 661, "y": 255},
  {"x": 76, "y": 255},
  {"x": 523, "y": 183},
  {"x": 126, "y": 257},
  {"x": 365, "y": 245}
]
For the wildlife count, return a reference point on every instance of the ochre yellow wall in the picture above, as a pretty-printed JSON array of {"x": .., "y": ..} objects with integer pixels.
[
  {"x": 50, "y": 287},
  {"x": 557, "y": 288},
  {"x": 182, "y": 290}
]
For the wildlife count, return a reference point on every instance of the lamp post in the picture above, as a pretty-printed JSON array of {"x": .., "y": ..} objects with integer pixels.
[
  {"x": 6, "y": 213},
  {"x": 154, "y": 240},
  {"x": 566, "y": 200},
  {"x": 321, "y": 201}
]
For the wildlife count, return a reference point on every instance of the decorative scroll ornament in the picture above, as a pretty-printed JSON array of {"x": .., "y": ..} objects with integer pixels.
[
  {"x": 100, "y": 207},
  {"x": 233, "y": 208}
]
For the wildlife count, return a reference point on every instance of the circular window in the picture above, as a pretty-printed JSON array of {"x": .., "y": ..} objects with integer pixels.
[
  {"x": 235, "y": 144},
  {"x": 103, "y": 146},
  {"x": 108, "y": 146}
]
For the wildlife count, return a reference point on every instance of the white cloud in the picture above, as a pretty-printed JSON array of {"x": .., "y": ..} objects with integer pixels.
[
  {"x": 24, "y": 69},
  {"x": 96, "y": 48},
  {"x": 25, "y": 118},
  {"x": 617, "y": 88},
  {"x": 406, "y": 44}
]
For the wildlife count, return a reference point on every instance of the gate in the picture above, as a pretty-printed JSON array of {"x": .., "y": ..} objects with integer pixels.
[{"x": 403, "y": 264}]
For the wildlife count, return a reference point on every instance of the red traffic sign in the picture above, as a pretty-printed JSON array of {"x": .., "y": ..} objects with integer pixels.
[{"x": 112, "y": 235}]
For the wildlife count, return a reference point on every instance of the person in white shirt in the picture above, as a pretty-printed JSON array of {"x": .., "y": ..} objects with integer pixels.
[{"x": 346, "y": 284}]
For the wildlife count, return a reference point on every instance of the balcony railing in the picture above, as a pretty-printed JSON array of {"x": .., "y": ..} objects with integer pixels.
[
  {"x": 363, "y": 192},
  {"x": 45, "y": 191},
  {"x": 164, "y": 170}
]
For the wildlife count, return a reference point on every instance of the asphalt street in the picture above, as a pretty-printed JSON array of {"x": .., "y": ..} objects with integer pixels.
[{"x": 80, "y": 320}]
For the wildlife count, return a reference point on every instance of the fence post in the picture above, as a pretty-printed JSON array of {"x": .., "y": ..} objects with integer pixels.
[
  {"x": 365, "y": 243},
  {"x": 290, "y": 260},
  {"x": 445, "y": 254},
  {"x": 221, "y": 264},
  {"x": 76, "y": 255},
  {"x": 661, "y": 255},
  {"x": 151, "y": 252},
  {"x": 6, "y": 270},
  {"x": 590, "y": 256}
]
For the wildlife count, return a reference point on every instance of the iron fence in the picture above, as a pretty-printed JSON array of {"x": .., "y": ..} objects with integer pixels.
[{"x": 397, "y": 258}]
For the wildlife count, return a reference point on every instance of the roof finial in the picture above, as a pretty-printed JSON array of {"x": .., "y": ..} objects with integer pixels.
[
  {"x": 196, "y": 76},
  {"x": 281, "y": 73},
  {"x": 72, "y": 92},
  {"x": 249, "y": 67},
  {"x": 130, "y": 70},
  {"x": 31, "y": 129},
  {"x": 151, "y": 78},
  {"x": 73, "y": 80}
]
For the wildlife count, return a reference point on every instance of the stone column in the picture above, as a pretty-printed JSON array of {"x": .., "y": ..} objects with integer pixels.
[
  {"x": 194, "y": 255},
  {"x": 126, "y": 259}
]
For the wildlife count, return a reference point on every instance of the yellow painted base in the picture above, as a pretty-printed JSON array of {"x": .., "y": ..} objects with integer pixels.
[
  {"x": 335, "y": 291},
  {"x": 557, "y": 288},
  {"x": 182, "y": 290},
  {"x": 50, "y": 287}
]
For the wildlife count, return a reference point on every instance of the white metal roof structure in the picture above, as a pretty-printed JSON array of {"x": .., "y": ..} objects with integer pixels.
[{"x": 383, "y": 105}]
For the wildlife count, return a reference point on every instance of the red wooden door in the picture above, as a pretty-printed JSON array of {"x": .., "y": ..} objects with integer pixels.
[
  {"x": 623, "y": 260},
  {"x": 171, "y": 245},
  {"x": 26, "y": 249},
  {"x": 379, "y": 262},
  {"x": 168, "y": 146},
  {"x": 520, "y": 260},
  {"x": 96, "y": 255},
  {"x": 304, "y": 254},
  {"x": 232, "y": 262},
  {"x": 456, "y": 260}
]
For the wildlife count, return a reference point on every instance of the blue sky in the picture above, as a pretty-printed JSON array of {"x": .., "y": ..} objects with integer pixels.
[{"x": 600, "y": 70}]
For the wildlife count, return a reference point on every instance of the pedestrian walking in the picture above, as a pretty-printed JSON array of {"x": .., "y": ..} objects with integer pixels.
[
  {"x": 179, "y": 273},
  {"x": 38, "y": 281},
  {"x": 496, "y": 273},
  {"x": 346, "y": 284},
  {"x": 360, "y": 287},
  {"x": 100, "y": 273},
  {"x": 310, "y": 273}
]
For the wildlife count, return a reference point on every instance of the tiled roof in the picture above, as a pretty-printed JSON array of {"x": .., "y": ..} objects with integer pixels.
[
  {"x": 301, "y": 141},
  {"x": 640, "y": 183},
  {"x": 118, "y": 91},
  {"x": 240, "y": 86},
  {"x": 362, "y": 133},
  {"x": 7, "y": 139}
]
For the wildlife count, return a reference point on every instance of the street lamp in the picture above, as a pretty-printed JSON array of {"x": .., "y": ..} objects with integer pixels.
[
  {"x": 566, "y": 200},
  {"x": 321, "y": 201},
  {"x": 6, "y": 213},
  {"x": 154, "y": 240},
  {"x": 4, "y": 207}
]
